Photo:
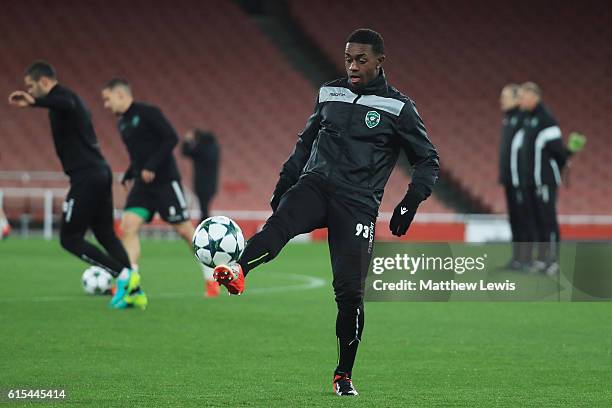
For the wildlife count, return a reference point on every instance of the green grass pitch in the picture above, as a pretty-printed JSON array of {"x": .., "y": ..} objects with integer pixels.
[{"x": 275, "y": 346}]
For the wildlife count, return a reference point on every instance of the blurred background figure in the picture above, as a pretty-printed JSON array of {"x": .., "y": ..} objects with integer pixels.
[
  {"x": 5, "y": 227},
  {"x": 299, "y": 58},
  {"x": 152, "y": 177},
  {"x": 543, "y": 156},
  {"x": 519, "y": 215},
  {"x": 201, "y": 146}
]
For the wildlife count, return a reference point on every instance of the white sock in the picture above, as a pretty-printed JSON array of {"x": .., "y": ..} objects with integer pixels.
[
  {"x": 125, "y": 273},
  {"x": 135, "y": 267},
  {"x": 3, "y": 223},
  {"x": 207, "y": 271}
]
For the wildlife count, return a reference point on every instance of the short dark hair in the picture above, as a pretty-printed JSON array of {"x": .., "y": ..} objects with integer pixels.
[
  {"x": 40, "y": 69},
  {"x": 115, "y": 82},
  {"x": 367, "y": 36}
]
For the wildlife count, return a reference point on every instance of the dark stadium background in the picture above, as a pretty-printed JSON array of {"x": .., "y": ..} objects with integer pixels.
[{"x": 249, "y": 71}]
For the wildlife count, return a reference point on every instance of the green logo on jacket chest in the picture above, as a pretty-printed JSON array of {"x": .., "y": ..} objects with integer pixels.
[
  {"x": 124, "y": 123},
  {"x": 372, "y": 118}
]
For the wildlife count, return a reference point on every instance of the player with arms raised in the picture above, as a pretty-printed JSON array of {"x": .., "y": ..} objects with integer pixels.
[{"x": 335, "y": 178}]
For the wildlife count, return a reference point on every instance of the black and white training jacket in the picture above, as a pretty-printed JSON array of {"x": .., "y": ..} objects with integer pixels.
[{"x": 354, "y": 136}]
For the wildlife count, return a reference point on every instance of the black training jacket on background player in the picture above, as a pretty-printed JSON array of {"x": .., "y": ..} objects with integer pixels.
[
  {"x": 542, "y": 154},
  {"x": 508, "y": 148},
  {"x": 205, "y": 153},
  {"x": 75, "y": 141},
  {"x": 149, "y": 139},
  {"x": 354, "y": 137}
]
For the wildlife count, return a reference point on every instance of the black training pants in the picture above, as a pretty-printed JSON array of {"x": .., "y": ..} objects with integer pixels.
[
  {"x": 521, "y": 214},
  {"x": 312, "y": 203},
  {"x": 89, "y": 204},
  {"x": 547, "y": 227}
]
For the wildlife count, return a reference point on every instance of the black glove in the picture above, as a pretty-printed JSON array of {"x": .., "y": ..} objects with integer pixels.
[
  {"x": 281, "y": 188},
  {"x": 404, "y": 213}
]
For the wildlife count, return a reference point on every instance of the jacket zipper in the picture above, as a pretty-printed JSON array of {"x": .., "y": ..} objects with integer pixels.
[{"x": 348, "y": 132}]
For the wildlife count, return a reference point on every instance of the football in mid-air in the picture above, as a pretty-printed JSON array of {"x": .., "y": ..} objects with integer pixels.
[
  {"x": 218, "y": 241},
  {"x": 97, "y": 281}
]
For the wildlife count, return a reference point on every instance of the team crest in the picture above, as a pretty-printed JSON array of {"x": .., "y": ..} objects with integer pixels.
[{"x": 372, "y": 118}]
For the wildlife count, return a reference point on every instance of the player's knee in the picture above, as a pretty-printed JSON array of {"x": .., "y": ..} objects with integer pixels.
[
  {"x": 130, "y": 226},
  {"x": 70, "y": 242},
  {"x": 350, "y": 299},
  {"x": 105, "y": 237}
]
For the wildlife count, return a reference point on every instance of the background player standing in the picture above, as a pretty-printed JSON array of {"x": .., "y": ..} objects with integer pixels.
[
  {"x": 335, "y": 178},
  {"x": 202, "y": 148},
  {"x": 520, "y": 215},
  {"x": 89, "y": 203},
  {"x": 543, "y": 157},
  {"x": 150, "y": 140}
]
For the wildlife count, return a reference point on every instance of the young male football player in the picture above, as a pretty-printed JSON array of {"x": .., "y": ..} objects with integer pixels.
[
  {"x": 335, "y": 178},
  {"x": 149, "y": 139},
  {"x": 89, "y": 203}
]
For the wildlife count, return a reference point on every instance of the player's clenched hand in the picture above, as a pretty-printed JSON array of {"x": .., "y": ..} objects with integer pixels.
[
  {"x": 404, "y": 214},
  {"x": 127, "y": 183},
  {"x": 128, "y": 179},
  {"x": 147, "y": 176},
  {"x": 281, "y": 188},
  {"x": 21, "y": 99}
]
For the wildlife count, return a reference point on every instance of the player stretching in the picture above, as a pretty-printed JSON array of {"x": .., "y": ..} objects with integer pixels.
[
  {"x": 89, "y": 203},
  {"x": 149, "y": 139},
  {"x": 335, "y": 178}
]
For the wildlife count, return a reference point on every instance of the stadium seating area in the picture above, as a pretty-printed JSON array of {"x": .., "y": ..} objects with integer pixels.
[
  {"x": 206, "y": 64},
  {"x": 453, "y": 59}
]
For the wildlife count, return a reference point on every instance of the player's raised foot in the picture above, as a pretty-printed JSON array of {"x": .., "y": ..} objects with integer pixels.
[
  {"x": 211, "y": 289},
  {"x": 137, "y": 299},
  {"x": 125, "y": 285},
  {"x": 231, "y": 277},
  {"x": 343, "y": 385}
]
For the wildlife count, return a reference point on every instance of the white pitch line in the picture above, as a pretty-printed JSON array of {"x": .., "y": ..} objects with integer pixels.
[{"x": 310, "y": 282}]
